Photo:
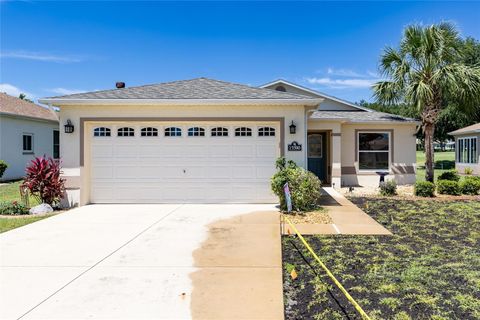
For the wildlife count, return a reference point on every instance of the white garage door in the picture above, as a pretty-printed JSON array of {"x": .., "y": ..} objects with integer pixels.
[{"x": 198, "y": 162}]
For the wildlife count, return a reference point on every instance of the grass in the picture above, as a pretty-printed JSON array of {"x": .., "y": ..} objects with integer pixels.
[
  {"x": 444, "y": 161},
  {"x": 9, "y": 223},
  {"x": 10, "y": 192},
  {"x": 429, "y": 268}
]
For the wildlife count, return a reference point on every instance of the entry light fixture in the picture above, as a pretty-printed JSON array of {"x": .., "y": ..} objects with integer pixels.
[
  {"x": 69, "y": 127},
  {"x": 293, "y": 128}
]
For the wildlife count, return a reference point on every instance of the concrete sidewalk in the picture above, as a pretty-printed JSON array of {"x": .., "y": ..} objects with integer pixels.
[
  {"x": 347, "y": 219},
  {"x": 145, "y": 262}
]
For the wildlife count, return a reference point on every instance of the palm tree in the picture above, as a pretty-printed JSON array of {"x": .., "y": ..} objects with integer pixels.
[{"x": 425, "y": 71}]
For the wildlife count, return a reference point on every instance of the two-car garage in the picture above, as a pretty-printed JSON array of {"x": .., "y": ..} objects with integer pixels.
[{"x": 224, "y": 161}]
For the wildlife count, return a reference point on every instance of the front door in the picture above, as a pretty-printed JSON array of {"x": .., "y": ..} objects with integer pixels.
[{"x": 317, "y": 155}]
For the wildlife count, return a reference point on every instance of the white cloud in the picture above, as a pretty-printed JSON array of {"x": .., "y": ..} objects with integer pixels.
[
  {"x": 342, "y": 83},
  {"x": 63, "y": 91},
  {"x": 344, "y": 73},
  {"x": 14, "y": 91},
  {"x": 38, "y": 56}
]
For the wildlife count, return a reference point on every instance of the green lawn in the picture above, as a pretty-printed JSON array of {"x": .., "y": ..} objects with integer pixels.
[
  {"x": 15, "y": 222},
  {"x": 444, "y": 161},
  {"x": 428, "y": 269},
  {"x": 11, "y": 192}
]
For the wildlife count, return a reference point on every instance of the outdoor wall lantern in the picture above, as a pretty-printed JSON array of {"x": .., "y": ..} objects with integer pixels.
[
  {"x": 293, "y": 128},
  {"x": 69, "y": 127}
]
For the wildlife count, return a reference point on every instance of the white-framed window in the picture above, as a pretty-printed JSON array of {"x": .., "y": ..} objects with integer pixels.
[
  {"x": 101, "y": 132},
  {"x": 243, "y": 132},
  {"x": 266, "y": 132},
  {"x": 467, "y": 150},
  {"x": 373, "y": 150},
  {"x": 149, "y": 132},
  {"x": 219, "y": 132},
  {"x": 27, "y": 143},
  {"x": 173, "y": 132},
  {"x": 196, "y": 132},
  {"x": 125, "y": 132}
]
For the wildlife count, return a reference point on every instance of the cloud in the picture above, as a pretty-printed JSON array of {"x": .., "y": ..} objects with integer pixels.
[
  {"x": 341, "y": 83},
  {"x": 344, "y": 73},
  {"x": 38, "y": 56},
  {"x": 63, "y": 91},
  {"x": 14, "y": 91}
]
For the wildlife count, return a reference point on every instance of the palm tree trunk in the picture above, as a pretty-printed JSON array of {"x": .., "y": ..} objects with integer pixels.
[{"x": 429, "y": 129}]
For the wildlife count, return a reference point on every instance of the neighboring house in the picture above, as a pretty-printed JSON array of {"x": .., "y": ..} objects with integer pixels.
[
  {"x": 467, "y": 143},
  {"x": 26, "y": 130},
  {"x": 205, "y": 140}
]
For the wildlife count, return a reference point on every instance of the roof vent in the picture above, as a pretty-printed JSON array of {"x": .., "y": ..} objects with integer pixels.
[{"x": 120, "y": 85}]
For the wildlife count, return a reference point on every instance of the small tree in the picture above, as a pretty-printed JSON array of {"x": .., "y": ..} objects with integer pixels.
[{"x": 43, "y": 180}]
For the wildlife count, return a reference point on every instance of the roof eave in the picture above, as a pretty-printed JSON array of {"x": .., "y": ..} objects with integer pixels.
[
  {"x": 344, "y": 120},
  {"x": 15, "y": 115},
  {"x": 456, "y": 133},
  {"x": 60, "y": 101}
]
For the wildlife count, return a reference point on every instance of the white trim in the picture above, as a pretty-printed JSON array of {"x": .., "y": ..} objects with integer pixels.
[
  {"x": 346, "y": 121},
  {"x": 14, "y": 116},
  {"x": 32, "y": 147},
  {"x": 457, "y": 149},
  {"x": 374, "y": 151},
  {"x": 323, "y": 95},
  {"x": 194, "y": 102}
]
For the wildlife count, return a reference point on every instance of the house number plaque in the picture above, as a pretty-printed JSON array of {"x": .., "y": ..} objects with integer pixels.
[{"x": 294, "y": 146}]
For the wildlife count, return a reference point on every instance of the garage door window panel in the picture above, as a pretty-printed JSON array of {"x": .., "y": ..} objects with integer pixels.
[
  {"x": 126, "y": 132},
  {"x": 173, "y": 132},
  {"x": 149, "y": 132},
  {"x": 196, "y": 132},
  {"x": 243, "y": 132},
  {"x": 101, "y": 132},
  {"x": 266, "y": 132},
  {"x": 219, "y": 132}
]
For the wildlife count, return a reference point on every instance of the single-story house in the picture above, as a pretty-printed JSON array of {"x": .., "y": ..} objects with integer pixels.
[
  {"x": 467, "y": 143},
  {"x": 204, "y": 140},
  {"x": 27, "y": 130}
]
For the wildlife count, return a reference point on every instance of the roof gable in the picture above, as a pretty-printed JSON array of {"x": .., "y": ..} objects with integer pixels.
[
  {"x": 22, "y": 108},
  {"x": 313, "y": 93}
]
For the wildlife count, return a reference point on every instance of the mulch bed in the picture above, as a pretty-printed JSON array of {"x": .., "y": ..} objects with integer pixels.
[{"x": 429, "y": 268}]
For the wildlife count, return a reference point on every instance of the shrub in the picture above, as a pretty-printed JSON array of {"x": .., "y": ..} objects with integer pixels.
[
  {"x": 304, "y": 186},
  {"x": 468, "y": 171},
  {"x": 388, "y": 188},
  {"x": 3, "y": 167},
  {"x": 470, "y": 185},
  {"x": 449, "y": 175},
  {"x": 43, "y": 180},
  {"x": 448, "y": 187},
  {"x": 13, "y": 208},
  {"x": 424, "y": 189}
]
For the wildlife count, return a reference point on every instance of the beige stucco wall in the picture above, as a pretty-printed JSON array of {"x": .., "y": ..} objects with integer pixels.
[
  {"x": 460, "y": 167},
  {"x": 11, "y": 142},
  {"x": 78, "y": 177}
]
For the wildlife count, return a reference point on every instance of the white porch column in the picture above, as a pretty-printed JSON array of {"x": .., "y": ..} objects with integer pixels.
[{"x": 336, "y": 159}]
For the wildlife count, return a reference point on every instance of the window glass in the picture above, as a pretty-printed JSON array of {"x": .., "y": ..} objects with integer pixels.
[
  {"x": 101, "y": 132},
  {"x": 243, "y": 132},
  {"x": 173, "y": 132},
  {"x": 373, "y": 151},
  {"x": 266, "y": 132},
  {"x": 149, "y": 132},
  {"x": 56, "y": 144},
  {"x": 219, "y": 132},
  {"x": 315, "y": 146},
  {"x": 27, "y": 142},
  {"x": 196, "y": 132},
  {"x": 467, "y": 150},
  {"x": 125, "y": 132}
]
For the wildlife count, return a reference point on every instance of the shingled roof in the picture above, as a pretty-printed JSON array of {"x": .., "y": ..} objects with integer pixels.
[
  {"x": 16, "y": 106},
  {"x": 359, "y": 116},
  {"x": 198, "y": 89},
  {"x": 474, "y": 128}
]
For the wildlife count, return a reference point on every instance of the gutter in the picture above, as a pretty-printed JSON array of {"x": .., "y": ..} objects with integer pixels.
[{"x": 186, "y": 102}]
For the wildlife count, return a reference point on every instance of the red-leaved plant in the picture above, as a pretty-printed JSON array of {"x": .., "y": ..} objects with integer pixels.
[{"x": 43, "y": 180}]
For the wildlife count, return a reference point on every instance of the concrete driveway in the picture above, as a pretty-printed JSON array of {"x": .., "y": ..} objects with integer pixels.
[{"x": 145, "y": 262}]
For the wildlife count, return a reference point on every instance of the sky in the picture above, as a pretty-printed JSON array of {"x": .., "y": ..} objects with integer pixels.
[{"x": 57, "y": 48}]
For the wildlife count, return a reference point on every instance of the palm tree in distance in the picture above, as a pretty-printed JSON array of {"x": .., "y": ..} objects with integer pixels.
[{"x": 425, "y": 71}]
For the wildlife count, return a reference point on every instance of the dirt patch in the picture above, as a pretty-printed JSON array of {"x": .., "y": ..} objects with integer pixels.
[
  {"x": 239, "y": 269},
  {"x": 320, "y": 216}
]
